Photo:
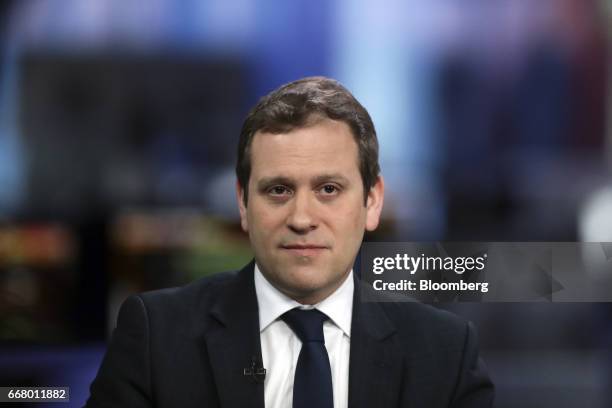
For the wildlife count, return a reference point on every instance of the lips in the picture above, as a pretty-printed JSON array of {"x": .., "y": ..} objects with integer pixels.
[{"x": 304, "y": 249}]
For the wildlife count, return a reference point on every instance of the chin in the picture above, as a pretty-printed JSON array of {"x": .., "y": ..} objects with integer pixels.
[{"x": 305, "y": 283}]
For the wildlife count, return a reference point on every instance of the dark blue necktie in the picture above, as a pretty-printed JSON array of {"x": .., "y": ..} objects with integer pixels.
[{"x": 312, "y": 386}]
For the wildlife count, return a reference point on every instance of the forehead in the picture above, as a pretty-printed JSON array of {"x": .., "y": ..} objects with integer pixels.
[{"x": 327, "y": 146}]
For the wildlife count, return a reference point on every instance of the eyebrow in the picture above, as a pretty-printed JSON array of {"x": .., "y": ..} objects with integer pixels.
[
  {"x": 266, "y": 182},
  {"x": 286, "y": 181},
  {"x": 337, "y": 177}
]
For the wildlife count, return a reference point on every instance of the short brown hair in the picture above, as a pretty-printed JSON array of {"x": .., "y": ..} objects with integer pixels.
[{"x": 298, "y": 104}]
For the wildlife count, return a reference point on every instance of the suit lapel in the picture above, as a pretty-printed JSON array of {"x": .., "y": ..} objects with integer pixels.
[
  {"x": 235, "y": 344},
  {"x": 375, "y": 371}
]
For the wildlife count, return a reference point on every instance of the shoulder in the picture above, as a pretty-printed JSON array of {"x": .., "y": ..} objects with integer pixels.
[
  {"x": 427, "y": 326},
  {"x": 422, "y": 316},
  {"x": 183, "y": 308},
  {"x": 205, "y": 290},
  {"x": 417, "y": 322}
]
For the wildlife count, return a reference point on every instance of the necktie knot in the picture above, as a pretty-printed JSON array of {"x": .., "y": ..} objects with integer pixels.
[{"x": 306, "y": 324}]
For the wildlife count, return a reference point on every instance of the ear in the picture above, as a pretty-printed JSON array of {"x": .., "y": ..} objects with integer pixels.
[
  {"x": 242, "y": 207},
  {"x": 374, "y": 204}
]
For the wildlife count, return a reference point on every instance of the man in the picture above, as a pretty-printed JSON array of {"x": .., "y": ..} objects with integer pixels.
[{"x": 289, "y": 329}]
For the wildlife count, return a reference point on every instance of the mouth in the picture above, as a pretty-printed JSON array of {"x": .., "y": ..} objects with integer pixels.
[{"x": 304, "y": 249}]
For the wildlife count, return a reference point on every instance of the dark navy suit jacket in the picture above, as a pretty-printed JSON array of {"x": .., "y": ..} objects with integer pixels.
[{"x": 188, "y": 347}]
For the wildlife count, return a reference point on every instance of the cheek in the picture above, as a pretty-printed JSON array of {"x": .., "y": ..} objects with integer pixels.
[
  {"x": 262, "y": 221},
  {"x": 350, "y": 225},
  {"x": 355, "y": 216}
]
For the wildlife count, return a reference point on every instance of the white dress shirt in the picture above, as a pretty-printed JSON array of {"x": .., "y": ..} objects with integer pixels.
[{"x": 280, "y": 347}]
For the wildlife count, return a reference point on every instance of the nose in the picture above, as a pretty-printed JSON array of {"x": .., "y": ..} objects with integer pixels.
[{"x": 302, "y": 217}]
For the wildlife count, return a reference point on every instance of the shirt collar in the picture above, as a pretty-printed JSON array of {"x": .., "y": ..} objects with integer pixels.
[{"x": 273, "y": 303}]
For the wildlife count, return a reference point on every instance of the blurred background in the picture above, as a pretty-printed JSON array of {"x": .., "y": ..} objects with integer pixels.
[{"x": 119, "y": 121}]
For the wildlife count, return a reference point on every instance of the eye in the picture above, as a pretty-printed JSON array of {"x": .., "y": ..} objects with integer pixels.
[
  {"x": 329, "y": 190},
  {"x": 279, "y": 191}
]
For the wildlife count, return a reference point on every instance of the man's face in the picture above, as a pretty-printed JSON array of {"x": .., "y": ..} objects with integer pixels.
[{"x": 306, "y": 215}]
